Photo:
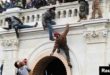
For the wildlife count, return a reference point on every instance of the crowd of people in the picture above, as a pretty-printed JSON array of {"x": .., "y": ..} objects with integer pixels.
[{"x": 4, "y": 5}]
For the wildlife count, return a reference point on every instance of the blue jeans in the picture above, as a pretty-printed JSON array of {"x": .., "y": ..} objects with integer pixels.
[
  {"x": 50, "y": 29},
  {"x": 19, "y": 26}
]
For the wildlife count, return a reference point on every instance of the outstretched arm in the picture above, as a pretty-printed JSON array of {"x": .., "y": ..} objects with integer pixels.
[
  {"x": 54, "y": 49},
  {"x": 66, "y": 30}
]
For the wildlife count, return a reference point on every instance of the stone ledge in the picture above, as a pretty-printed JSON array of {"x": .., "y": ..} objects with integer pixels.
[{"x": 78, "y": 24}]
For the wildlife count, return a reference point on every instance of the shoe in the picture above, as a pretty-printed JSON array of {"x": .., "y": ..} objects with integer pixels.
[
  {"x": 36, "y": 24},
  {"x": 69, "y": 64},
  {"x": 52, "y": 39}
]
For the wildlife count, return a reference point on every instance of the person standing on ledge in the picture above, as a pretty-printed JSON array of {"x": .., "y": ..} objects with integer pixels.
[
  {"x": 47, "y": 21},
  {"x": 96, "y": 9},
  {"x": 61, "y": 44}
]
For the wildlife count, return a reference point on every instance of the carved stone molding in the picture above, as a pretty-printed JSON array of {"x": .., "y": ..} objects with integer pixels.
[
  {"x": 96, "y": 36},
  {"x": 9, "y": 43}
]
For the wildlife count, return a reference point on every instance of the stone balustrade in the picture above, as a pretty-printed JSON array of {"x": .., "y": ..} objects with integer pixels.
[{"x": 65, "y": 13}]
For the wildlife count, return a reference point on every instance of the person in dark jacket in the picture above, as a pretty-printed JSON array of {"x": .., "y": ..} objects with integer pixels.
[
  {"x": 14, "y": 22},
  {"x": 61, "y": 44},
  {"x": 24, "y": 4},
  {"x": 47, "y": 21},
  {"x": 83, "y": 9},
  {"x": 39, "y": 3}
]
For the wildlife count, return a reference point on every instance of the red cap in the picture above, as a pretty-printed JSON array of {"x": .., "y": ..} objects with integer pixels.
[{"x": 56, "y": 34}]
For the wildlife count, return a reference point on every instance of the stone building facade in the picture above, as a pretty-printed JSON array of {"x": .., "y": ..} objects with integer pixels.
[{"x": 88, "y": 40}]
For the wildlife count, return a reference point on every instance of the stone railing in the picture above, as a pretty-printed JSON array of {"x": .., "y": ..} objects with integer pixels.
[{"x": 65, "y": 13}]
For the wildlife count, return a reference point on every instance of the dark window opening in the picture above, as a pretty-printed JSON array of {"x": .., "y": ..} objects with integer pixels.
[
  {"x": 55, "y": 68},
  {"x": 49, "y": 66}
]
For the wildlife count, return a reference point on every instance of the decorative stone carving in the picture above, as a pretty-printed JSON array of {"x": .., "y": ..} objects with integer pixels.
[
  {"x": 9, "y": 43},
  {"x": 96, "y": 36}
]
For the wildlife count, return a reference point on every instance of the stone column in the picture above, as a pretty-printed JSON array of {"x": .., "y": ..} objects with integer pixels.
[{"x": 10, "y": 47}]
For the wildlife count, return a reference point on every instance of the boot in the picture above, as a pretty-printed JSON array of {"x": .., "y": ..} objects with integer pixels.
[{"x": 17, "y": 34}]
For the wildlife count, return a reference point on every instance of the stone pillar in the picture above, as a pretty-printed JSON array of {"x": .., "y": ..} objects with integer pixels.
[
  {"x": 10, "y": 48},
  {"x": 96, "y": 45}
]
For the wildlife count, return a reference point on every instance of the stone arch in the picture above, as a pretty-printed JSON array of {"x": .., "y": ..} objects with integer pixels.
[
  {"x": 49, "y": 63},
  {"x": 44, "y": 50}
]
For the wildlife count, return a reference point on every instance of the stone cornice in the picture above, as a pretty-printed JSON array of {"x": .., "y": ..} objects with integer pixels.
[{"x": 78, "y": 24}]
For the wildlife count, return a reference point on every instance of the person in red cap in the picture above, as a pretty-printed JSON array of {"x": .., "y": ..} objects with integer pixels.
[{"x": 61, "y": 44}]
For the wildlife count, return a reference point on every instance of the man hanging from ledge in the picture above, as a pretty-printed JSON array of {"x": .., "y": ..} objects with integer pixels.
[
  {"x": 47, "y": 21},
  {"x": 96, "y": 9},
  {"x": 14, "y": 22},
  {"x": 61, "y": 44}
]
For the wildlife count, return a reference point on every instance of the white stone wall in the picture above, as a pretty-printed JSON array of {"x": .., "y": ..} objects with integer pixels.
[{"x": 88, "y": 41}]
